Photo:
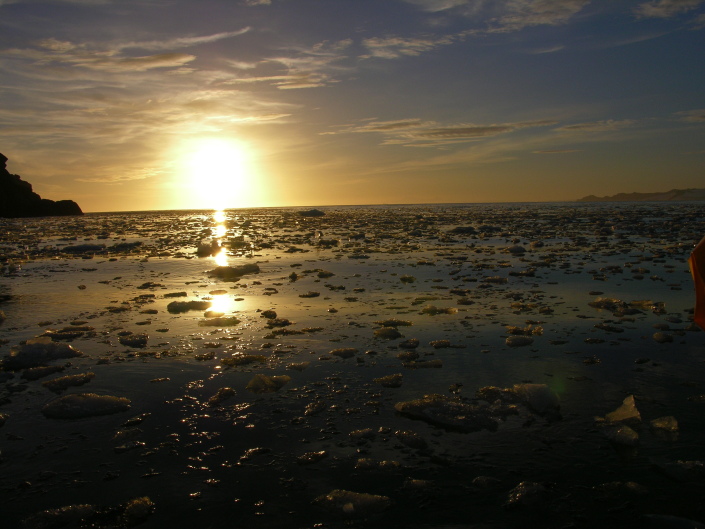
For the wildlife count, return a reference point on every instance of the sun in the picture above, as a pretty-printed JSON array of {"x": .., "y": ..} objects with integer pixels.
[{"x": 219, "y": 174}]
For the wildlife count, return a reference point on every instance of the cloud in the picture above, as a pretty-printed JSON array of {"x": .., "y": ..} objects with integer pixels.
[
  {"x": 434, "y": 6},
  {"x": 665, "y": 8},
  {"x": 182, "y": 42},
  {"x": 692, "y": 116},
  {"x": 389, "y": 126},
  {"x": 520, "y": 14},
  {"x": 312, "y": 67},
  {"x": 395, "y": 47},
  {"x": 556, "y": 151},
  {"x": 110, "y": 57},
  {"x": 418, "y": 133},
  {"x": 598, "y": 126},
  {"x": 53, "y": 52}
]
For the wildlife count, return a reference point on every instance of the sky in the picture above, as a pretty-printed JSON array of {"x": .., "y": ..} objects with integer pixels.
[{"x": 125, "y": 105}]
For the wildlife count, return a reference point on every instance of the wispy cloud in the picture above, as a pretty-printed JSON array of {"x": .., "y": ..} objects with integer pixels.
[
  {"x": 519, "y": 14},
  {"x": 419, "y": 133},
  {"x": 312, "y": 67},
  {"x": 52, "y": 52},
  {"x": 692, "y": 116},
  {"x": 598, "y": 126},
  {"x": 666, "y": 8},
  {"x": 395, "y": 47},
  {"x": 110, "y": 57},
  {"x": 434, "y": 6},
  {"x": 181, "y": 42},
  {"x": 555, "y": 151}
]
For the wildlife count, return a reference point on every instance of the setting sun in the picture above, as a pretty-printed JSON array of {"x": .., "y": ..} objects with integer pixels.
[{"x": 218, "y": 174}]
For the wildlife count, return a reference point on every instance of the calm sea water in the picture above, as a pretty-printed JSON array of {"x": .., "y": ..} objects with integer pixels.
[{"x": 459, "y": 279}]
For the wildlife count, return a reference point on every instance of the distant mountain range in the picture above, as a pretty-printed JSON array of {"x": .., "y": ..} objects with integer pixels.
[{"x": 674, "y": 195}]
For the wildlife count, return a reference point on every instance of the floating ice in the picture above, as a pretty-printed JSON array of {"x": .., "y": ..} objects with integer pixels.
[
  {"x": 266, "y": 384},
  {"x": 349, "y": 503},
  {"x": 221, "y": 395},
  {"x": 390, "y": 381},
  {"x": 58, "y": 385},
  {"x": 344, "y": 352},
  {"x": 79, "y": 405},
  {"x": 449, "y": 413},
  {"x": 519, "y": 340},
  {"x": 233, "y": 273},
  {"x": 177, "y": 307},
  {"x": 627, "y": 412},
  {"x": 134, "y": 340},
  {"x": 36, "y": 352},
  {"x": 669, "y": 424},
  {"x": 622, "y": 435},
  {"x": 538, "y": 397},
  {"x": 526, "y": 494}
]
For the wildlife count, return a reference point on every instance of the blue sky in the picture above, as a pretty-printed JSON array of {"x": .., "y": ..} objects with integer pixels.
[{"x": 316, "y": 102}]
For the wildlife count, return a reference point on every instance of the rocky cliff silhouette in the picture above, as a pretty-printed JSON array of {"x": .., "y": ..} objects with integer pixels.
[{"x": 18, "y": 200}]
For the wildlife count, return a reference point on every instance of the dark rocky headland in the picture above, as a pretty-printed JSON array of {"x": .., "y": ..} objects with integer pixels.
[
  {"x": 674, "y": 195},
  {"x": 18, "y": 200}
]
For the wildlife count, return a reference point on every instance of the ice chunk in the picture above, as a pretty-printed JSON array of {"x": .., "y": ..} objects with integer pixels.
[
  {"x": 138, "y": 509},
  {"x": 310, "y": 458},
  {"x": 519, "y": 340},
  {"x": 177, "y": 307},
  {"x": 388, "y": 333},
  {"x": 366, "y": 463},
  {"x": 134, "y": 340},
  {"x": 58, "y": 385},
  {"x": 444, "y": 411},
  {"x": 267, "y": 384},
  {"x": 411, "y": 439},
  {"x": 70, "y": 515},
  {"x": 81, "y": 405},
  {"x": 223, "y": 321},
  {"x": 390, "y": 381},
  {"x": 344, "y": 352},
  {"x": 626, "y": 412},
  {"x": 622, "y": 435},
  {"x": 669, "y": 424},
  {"x": 233, "y": 273},
  {"x": 221, "y": 395},
  {"x": 353, "y": 503},
  {"x": 526, "y": 494},
  {"x": 38, "y": 351},
  {"x": 538, "y": 397}
]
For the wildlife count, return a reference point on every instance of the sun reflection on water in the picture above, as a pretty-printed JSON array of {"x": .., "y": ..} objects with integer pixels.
[
  {"x": 221, "y": 258},
  {"x": 222, "y": 303},
  {"x": 219, "y": 231}
]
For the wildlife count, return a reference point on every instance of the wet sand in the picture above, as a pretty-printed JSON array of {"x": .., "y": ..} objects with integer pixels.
[{"x": 268, "y": 368}]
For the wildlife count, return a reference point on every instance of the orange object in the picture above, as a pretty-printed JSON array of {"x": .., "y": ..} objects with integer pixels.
[{"x": 697, "y": 269}]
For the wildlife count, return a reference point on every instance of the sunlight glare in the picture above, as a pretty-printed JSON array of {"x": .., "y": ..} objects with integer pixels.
[
  {"x": 221, "y": 258},
  {"x": 219, "y": 174},
  {"x": 222, "y": 303}
]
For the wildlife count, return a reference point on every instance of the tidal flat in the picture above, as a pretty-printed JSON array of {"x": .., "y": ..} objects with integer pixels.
[{"x": 465, "y": 366}]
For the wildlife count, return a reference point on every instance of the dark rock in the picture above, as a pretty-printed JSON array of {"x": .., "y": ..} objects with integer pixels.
[{"x": 18, "y": 200}]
